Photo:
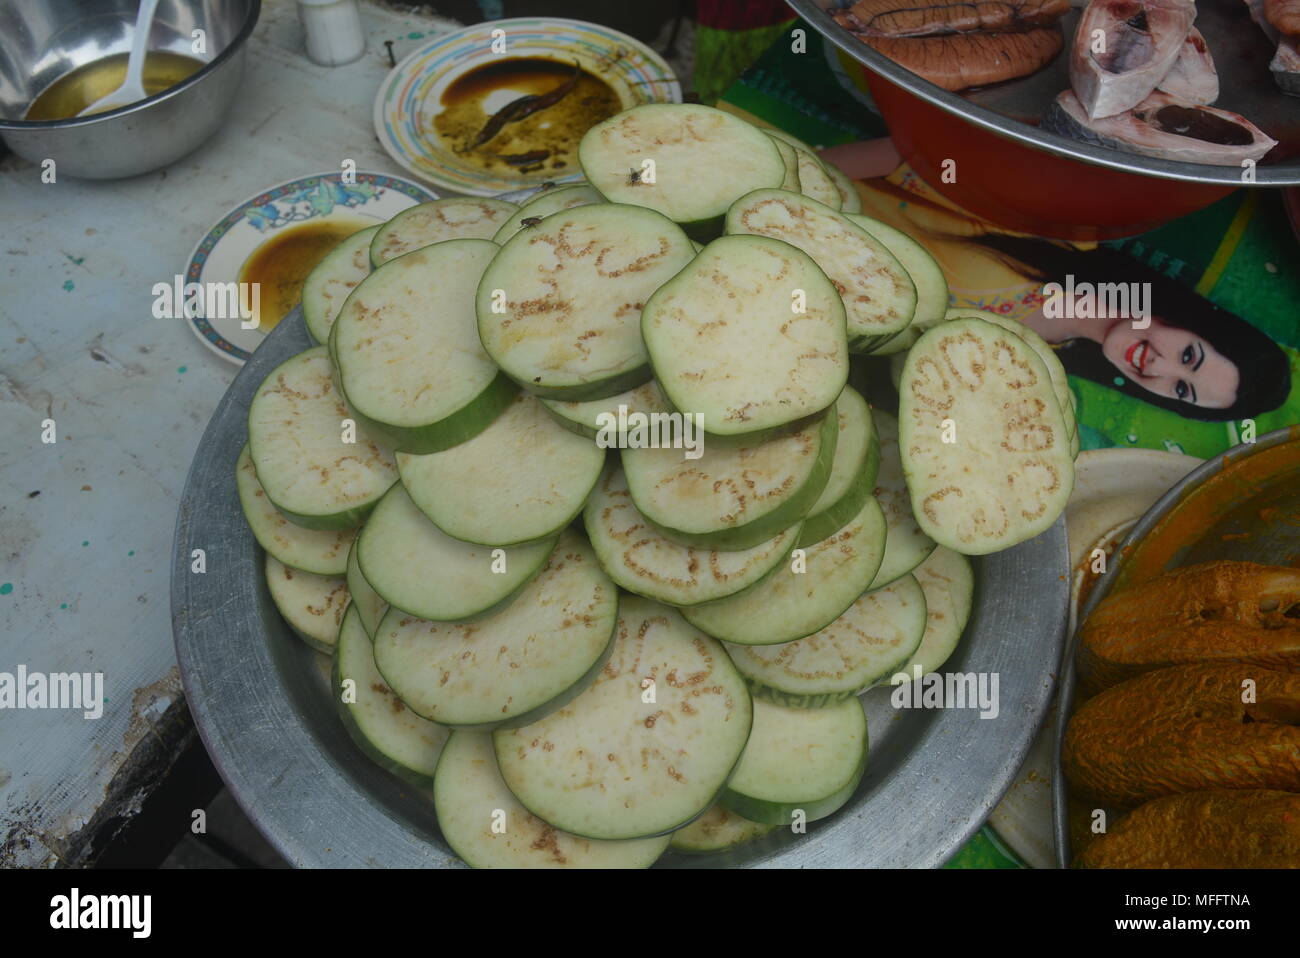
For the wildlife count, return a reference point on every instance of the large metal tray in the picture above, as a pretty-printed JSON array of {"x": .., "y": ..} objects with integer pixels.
[
  {"x": 1012, "y": 109},
  {"x": 264, "y": 711},
  {"x": 1240, "y": 505}
]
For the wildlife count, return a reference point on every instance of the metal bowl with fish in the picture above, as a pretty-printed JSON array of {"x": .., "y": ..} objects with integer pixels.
[{"x": 1081, "y": 124}]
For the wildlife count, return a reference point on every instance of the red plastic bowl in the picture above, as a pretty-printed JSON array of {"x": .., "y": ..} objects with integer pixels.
[{"x": 1027, "y": 189}]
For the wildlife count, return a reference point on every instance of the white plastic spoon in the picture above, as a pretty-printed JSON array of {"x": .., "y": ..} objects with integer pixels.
[{"x": 132, "y": 88}]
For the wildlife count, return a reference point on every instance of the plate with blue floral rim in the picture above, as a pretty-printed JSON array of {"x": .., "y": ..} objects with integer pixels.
[
  {"x": 276, "y": 233},
  {"x": 434, "y": 105}
]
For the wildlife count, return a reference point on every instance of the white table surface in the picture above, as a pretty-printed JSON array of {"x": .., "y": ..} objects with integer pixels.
[{"x": 86, "y": 561}]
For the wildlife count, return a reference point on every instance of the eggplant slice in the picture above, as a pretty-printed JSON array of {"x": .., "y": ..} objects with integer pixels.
[
  {"x": 1165, "y": 127},
  {"x": 1122, "y": 50}
]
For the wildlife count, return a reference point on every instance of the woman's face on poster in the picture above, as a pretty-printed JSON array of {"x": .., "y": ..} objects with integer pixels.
[{"x": 1172, "y": 362}]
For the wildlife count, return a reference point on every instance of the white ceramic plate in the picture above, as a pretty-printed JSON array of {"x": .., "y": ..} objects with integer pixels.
[{"x": 221, "y": 254}]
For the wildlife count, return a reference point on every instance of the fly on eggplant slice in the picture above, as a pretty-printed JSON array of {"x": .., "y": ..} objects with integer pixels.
[
  {"x": 1123, "y": 49},
  {"x": 1164, "y": 127}
]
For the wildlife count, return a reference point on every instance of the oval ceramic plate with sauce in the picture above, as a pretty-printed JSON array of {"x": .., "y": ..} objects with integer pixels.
[
  {"x": 275, "y": 238},
  {"x": 434, "y": 113}
]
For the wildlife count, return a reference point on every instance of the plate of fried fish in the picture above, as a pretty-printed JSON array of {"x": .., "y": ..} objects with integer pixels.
[{"x": 1177, "y": 739}]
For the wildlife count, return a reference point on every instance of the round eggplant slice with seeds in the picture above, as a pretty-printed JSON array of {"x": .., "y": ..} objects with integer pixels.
[
  {"x": 417, "y": 568},
  {"x": 559, "y": 308},
  {"x": 799, "y": 764},
  {"x": 604, "y": 416},
  {"x": 475, "y": 493},
  {"x": 652, "y": 741},
  {"x": 312, "y": 605},
  {"x": 906, "y": 546},
  {"x": 983, "y": 441},
  {"x": 733, "y": 497},
  {"x": 487, "y": 827},
  {"x": 853, "y": 471},
  {"x": 949, "y": 586},
  {"x": 383, "y": 728},
  {"x": 751, "y": 335},
  {"x": 516, "y": 665},
  {"x": 879, "y": 296},
  {"x": 717, "y": 830},
  {"x": 323, "y": 552},
  {"x": 791, "y": 160},
  {"x": 461, "y": 217},
  {"x": 407, "y": 350},
  {"x": 867, "y": 645},
  {"x": 703, "y": 161},
  {"x": 370, "y": 605},
  {"x": 543, "y": 205},
  {"x": 328, "y": 286},
  {"x": 806, "y": 594},
  {"x": 641, "y": 559},
  {"x": 931, "y": 285},
  {"x": 297, "y": 426}
]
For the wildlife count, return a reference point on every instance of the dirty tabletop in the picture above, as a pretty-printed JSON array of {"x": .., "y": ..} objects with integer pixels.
[{"x": 86, "y": 522}]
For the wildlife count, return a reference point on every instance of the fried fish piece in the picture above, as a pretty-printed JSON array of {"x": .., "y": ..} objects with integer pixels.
[
  {"x": 1185, "y": 728},
  {"x": 908, "y": 18},
  {"x": 1284, "y": 15},
  {"x": 1213, "y": 612},
  {"x": 957, "y": 61},
  {"x": 1220, "y": 828}
]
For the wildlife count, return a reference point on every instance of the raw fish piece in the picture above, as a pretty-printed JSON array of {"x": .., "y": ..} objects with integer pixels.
[
  {"x": 1286, "y": 66},
  {"x": 1123, "y": 49},
  {"x": 1286, "y": 62},
  {"x": 1165, "y": 127},
  {"x": 1193, "y": 77},
  {"x": 910, "y": 18}
]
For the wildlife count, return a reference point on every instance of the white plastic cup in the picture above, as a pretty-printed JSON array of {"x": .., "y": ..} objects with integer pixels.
[{"x": 333, "y": 28}]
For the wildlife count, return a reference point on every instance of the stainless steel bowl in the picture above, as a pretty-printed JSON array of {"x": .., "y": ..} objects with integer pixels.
[
  {"x": 263, "y": 704},
  {"x": 43, "y": 40}
]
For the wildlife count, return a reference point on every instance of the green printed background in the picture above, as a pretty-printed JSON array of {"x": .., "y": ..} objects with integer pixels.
[{"x": 1240, "y": 253}]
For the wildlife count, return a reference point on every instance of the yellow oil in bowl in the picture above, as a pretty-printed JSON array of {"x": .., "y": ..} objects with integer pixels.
[{"x": 73, "y": 92}]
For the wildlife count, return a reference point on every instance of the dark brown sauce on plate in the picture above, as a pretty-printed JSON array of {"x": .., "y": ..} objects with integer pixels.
[
  {"x": 281, "y": 264},
  {"x": 544, "y": 140}
]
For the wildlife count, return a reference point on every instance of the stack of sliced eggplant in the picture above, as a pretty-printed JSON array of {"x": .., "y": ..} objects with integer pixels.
[{"x": 590, "y": 643}]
